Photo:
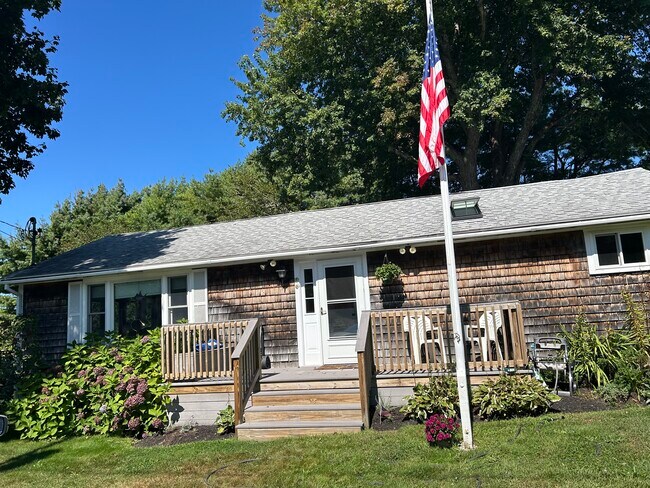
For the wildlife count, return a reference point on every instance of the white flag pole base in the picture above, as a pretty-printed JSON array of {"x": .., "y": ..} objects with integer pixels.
[{"x": 459, "y": 334}]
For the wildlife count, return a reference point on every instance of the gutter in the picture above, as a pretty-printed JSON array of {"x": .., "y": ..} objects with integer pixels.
[
  {"x": 10, "y": 289},
  {"x": 429, "y": 240}
]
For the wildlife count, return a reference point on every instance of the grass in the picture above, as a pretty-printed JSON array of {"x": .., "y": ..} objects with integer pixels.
[{"x": 578, "y": 450}]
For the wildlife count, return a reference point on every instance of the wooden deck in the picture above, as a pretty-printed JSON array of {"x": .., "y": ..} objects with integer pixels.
[{"x": 396, "y": 350}]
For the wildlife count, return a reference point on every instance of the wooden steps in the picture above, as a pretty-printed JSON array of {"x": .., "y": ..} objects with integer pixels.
[
  {"x": 307, "y": 397},
  {"x": 310, "y": 413},
  {"x": 272, "y": 430},
  {"x": 303, "y": 405}
]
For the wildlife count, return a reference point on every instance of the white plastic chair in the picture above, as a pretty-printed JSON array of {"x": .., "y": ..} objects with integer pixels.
[
  {"x": 417, "y": 328},
  {"x": 489, "y": 323}
]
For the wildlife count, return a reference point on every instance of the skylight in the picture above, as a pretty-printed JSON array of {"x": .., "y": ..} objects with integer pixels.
[{"x": 465, "y": 209}]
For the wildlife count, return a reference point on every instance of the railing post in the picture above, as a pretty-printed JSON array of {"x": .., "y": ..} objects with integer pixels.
[
  {"x": 365, "y": 365},
  {"x": 237, "y": 384}
]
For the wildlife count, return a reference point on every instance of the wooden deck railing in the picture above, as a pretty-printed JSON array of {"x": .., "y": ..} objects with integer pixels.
[
  {"x": 247, "y": 366},
  {"x": 421, "y": 339},
  {"x": 366, "y": 366},
  {"x": 195, "y": 351}
]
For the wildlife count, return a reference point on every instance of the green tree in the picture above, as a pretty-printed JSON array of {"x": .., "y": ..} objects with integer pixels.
[
  {"x": 31, "y": 98},
  {"x": 331, "y": 93},
  {"x": 241, "y": 191}
]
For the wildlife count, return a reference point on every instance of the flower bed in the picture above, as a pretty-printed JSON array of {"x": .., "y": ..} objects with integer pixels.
[{"x": 109, "y": 385}]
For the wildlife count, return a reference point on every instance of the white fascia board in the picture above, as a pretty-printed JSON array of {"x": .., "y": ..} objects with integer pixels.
[{"x": 367, "y": 246}]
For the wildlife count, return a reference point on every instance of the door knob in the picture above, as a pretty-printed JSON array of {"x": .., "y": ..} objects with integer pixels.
[{"x": 323, "y": 311}]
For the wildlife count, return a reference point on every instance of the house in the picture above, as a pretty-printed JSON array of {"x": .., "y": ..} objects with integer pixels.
[{"x": 300, "y": 289}]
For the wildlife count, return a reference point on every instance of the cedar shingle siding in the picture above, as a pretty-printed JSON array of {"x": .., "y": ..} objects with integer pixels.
[
  {"x": 48, "y": 305},
  {"x": 245, "y": 291},
  {"x": 548, "y": 274}
]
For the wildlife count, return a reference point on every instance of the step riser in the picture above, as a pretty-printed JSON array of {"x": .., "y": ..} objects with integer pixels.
[
  {"x": 305, "y": 399},
  {"x": 309, "y": 385},
  {"x": 268, "y": 434},
  {"x": 303, "y": 416}
]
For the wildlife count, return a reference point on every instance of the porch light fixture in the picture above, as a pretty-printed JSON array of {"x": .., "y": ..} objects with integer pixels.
[
  {"x": 282, "y": 273},
  {"x": 465, "y": 209},
  {"x": 272, "y": 263},
  {"x": 411, "y": 249}
]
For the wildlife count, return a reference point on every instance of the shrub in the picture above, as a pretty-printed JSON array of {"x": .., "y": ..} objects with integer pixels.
[
  {"x": 109, "y": 385},
  {"x": 593, "y": 355},
  {"x": 614, "y": 392},
  {"x": 19, "y": 354},
  {"x": 440, "y": 430},
  {"x": 225, "y": 420},
  {"x": 621, "y": 355},
  {"x": 512, "y": 396},
  {"x": 438, "y": 396}
]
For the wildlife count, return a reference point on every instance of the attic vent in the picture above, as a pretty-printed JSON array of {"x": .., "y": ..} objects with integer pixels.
[{"x": 465, "y": 209}]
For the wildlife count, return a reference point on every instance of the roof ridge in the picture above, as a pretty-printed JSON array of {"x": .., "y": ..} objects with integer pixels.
[{"x": 384, "y": 202}]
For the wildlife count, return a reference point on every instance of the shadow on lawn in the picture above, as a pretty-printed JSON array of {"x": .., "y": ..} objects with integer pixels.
[{"x": 29, "y": 457}]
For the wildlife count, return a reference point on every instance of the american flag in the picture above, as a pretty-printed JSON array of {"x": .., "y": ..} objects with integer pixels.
[{"x": 434, "y": 111}]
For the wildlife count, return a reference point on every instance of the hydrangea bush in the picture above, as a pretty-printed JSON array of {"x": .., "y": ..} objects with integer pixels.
[
  {"x": 109, "y": 385},
  {"x": 440, "y": 430}
]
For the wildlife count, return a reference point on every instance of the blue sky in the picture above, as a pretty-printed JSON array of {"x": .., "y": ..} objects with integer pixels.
[{"x": 148, "y": 81}]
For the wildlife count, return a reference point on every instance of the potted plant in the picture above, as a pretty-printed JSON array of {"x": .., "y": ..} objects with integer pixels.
[{"x": 388, "y": 272}]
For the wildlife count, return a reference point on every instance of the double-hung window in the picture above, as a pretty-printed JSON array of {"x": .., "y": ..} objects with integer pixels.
[
  {"x": 97, "y": 309},
  {"x": 177, "y": 300}
]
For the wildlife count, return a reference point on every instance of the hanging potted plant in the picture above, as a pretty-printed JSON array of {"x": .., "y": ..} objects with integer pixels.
[{"x": 388, "y": 272}]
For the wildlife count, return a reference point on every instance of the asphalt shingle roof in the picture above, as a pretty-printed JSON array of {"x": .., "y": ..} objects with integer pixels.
[{"x": 609, "y": 196}]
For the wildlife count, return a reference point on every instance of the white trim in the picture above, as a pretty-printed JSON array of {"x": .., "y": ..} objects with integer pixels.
[
  {"x": 592, "y": 254},
  {"x": 423, "y": 241},
  {"x": 75, "y": 322},
  {"x": 109, "y": 314},
  {"x": 19, "y": 300}
]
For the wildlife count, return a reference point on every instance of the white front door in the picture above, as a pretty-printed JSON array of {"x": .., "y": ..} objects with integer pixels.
[{"x": 331, "y": 295}]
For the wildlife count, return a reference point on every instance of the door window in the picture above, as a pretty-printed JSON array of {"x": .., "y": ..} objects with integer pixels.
[{"x": 341, "y": 301}]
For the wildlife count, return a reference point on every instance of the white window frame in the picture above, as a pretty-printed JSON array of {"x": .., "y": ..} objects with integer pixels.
[
  {"x": 168, "y": 297},
  {"x": 110, "y": 282},
  {"x": 595, "y": 268},
  {"x": 86, "y": 302}
]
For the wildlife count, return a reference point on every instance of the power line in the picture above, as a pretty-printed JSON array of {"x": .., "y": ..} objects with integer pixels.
[
  {"x": 6, "y": 233},
  {"x": 11, "y": 225}
]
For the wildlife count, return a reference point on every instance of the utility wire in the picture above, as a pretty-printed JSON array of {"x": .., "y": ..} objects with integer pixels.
[
  {"x": 7, "y": 233},
  {"x": 11, "y": 225}
]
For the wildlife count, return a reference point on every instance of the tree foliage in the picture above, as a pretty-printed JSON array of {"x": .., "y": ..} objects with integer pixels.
[
  {"x": 241, "y": 191},
  {"x": 538, "y": 90},
  {"x": 31, "y": 97}
]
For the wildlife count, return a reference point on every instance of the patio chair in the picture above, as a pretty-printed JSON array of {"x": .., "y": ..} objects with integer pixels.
[
  {"x": 422, "y": 335},
  {"x": 486, "y": 335}
]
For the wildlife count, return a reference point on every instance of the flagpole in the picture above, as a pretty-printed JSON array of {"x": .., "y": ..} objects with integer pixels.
[{"x": 459, "y": 335}]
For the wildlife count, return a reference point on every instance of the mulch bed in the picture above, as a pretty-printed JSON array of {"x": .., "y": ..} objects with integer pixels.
[
  {"x": 584, "y": 400},
  {"x": 182, "y": 436},
  {"x": 386, "y": 420}
]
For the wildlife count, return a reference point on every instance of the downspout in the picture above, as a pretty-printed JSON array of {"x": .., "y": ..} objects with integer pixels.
[{"x": 19, "y": 305}]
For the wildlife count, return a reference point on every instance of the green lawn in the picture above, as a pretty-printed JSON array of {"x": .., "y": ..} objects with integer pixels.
[{"x": 590, "y": 449}]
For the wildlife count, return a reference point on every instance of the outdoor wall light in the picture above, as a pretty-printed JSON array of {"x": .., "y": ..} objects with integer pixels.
[
  {"x": 273, "y": 263},
  {"x": 282, "y": 273},
  {"x": 412, "y": 249}
]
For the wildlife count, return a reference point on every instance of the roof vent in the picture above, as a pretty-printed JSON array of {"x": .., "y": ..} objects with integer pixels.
[{"x": 465, "y": 209}]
